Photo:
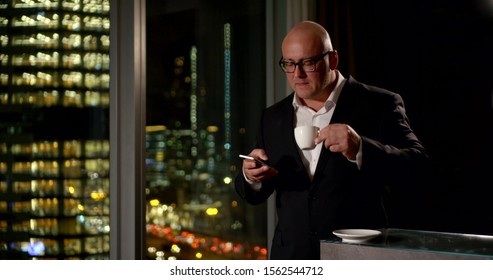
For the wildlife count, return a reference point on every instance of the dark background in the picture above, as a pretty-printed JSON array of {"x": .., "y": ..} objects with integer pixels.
[{"x": 438, "y": 55}]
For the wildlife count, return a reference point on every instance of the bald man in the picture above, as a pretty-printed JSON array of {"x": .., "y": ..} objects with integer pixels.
[{"x": 365, "y": 146}]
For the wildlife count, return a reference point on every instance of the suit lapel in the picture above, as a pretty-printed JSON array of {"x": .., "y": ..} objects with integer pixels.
[
  {"x": 342, "y": 114},
  {"x": 293, "y": 147},
  {"x": 286, "y": 134}
]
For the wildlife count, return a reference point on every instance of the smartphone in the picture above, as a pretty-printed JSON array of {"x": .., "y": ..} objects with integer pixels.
[{"x": 255, "y": 159}]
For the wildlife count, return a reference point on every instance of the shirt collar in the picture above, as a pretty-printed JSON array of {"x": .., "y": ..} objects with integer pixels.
[{"x": 333, "y": 97}]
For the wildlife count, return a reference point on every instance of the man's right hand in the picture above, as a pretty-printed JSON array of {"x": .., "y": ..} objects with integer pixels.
[{"x": 257, "y": 172}]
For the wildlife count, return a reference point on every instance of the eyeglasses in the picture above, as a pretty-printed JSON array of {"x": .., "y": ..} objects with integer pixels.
[{"x": 307, "y": 65}]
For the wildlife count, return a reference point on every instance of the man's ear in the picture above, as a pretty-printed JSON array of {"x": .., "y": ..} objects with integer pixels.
[{"x": 333, "y": 60}]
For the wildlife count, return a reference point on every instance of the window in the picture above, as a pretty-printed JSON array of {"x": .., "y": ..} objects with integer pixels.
[
  {"x": 205, "y": 90},
  {"x": 54, "y": 129}
]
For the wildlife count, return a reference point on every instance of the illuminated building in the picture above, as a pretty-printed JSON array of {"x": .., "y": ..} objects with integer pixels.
[{"x": 54, "y": 148}]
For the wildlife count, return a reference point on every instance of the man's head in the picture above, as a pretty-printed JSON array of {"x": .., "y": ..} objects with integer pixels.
[{"x": 309, "y": 61}]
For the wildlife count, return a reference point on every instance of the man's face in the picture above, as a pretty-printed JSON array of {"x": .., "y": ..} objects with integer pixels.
[{"x": 307, "y": 85}]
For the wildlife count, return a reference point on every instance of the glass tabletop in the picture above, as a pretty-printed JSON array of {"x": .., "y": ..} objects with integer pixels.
[{"x": 429, "y": 241}]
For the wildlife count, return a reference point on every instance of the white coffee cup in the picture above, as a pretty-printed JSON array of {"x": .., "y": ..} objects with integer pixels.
[{"x": 305, "y": 136}]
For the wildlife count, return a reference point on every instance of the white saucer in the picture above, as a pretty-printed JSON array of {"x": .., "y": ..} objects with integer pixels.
[{"x": 356, "y": 235}]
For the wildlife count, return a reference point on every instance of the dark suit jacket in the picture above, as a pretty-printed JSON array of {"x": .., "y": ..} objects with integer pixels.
[{"x": 340, "y": 195}]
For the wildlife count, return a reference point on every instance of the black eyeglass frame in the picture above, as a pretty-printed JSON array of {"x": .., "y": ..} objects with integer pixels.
[{"x": 300, "y": 63}]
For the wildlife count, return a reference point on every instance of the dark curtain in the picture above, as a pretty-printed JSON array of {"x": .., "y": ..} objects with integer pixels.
[{"x": 437, "y": 55}]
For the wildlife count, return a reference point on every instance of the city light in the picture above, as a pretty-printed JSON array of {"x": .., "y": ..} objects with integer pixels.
[
  {"x": 227, "y": 180},
  {"x": 211, "y": 211},
  {"x": 154, "y": 202},
  {"x": 155, "y": 128}
]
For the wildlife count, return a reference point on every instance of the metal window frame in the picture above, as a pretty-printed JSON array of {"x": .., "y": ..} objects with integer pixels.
[{"x": 127, "y": 129}]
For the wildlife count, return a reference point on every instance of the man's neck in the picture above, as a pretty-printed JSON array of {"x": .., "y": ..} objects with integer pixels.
[
  {"x": 315, "y": 104},
  {"x": 318, "y": 103}
]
